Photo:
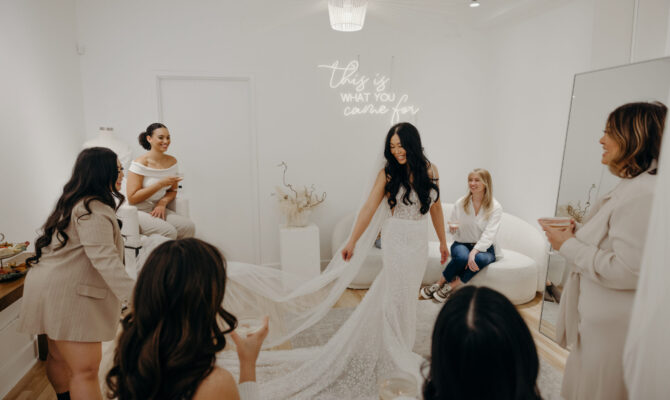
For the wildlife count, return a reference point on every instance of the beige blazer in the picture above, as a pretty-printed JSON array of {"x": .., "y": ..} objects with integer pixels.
[
  {"x": 75, "y": 293},
  {"x": 604, "y": 259}
]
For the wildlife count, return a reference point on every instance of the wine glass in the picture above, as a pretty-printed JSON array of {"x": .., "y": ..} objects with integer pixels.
[
  {"x": 398, "y": 385},
  {"x": 453, "y": 227},
  {"x": 248, "y": 325}
]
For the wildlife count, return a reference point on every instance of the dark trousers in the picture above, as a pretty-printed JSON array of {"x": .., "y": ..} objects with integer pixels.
[{"x": 458, "y": 266}]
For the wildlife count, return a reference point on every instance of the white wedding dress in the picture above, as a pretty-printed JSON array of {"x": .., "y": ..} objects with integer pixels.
[{"x": 375, "y": 340}]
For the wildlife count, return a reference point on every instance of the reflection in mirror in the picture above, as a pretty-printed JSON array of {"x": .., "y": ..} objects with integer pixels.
[{"x": 583, "y": 178}]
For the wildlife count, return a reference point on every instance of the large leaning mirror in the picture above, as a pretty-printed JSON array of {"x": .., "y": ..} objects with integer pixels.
[{"x": 583, "y": 178}]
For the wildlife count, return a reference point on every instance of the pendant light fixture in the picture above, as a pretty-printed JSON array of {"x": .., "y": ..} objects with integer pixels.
[{"x": 347, "y": 15}]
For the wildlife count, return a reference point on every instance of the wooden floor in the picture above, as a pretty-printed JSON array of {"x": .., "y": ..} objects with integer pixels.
[{"x": 35, "y": 386}]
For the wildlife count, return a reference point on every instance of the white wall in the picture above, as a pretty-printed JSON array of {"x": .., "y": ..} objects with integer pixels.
[
  {"x": 41, "y": 114},
  {"x": 531, "y": 67},
  {"x": 298, "y": 118},
  {"x": 532, "y": 63}
]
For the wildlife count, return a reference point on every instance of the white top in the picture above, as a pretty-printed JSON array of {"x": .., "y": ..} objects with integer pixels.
[
  {"x": 478, "y": 228},
  {"x": 153, "y": 175}
]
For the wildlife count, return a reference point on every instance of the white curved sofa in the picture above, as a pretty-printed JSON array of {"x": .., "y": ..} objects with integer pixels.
[{"x": 518, "y": 275}]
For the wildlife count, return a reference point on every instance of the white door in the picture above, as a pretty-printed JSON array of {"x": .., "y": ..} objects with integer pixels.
[{"x": 209, "y": 120}]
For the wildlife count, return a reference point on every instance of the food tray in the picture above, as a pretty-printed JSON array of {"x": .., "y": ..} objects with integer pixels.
[{"x": 12, "y": 276}]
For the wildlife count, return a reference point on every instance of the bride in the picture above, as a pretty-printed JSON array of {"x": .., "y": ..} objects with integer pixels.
[{"x": 378, "y": 337}]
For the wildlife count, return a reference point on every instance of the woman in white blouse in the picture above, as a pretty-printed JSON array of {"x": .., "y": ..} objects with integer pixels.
[
  {"x": 152, "y": 184},
  {"x": 605, "y": 254},
  {"x": 474, "y": 221}
]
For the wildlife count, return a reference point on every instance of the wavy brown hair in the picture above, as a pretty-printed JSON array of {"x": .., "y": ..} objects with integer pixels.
[
  {"x": 487, "y": 201},
  {"x": 93, "y": 178},
  {"x": 171, "y": 336},
  {"x": 638, "y": 129}
]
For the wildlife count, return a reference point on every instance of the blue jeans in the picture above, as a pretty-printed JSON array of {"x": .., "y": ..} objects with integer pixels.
[{"x": 458, "y": 266}]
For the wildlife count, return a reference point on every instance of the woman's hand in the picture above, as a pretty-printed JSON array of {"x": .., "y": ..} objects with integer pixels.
[
  {"x": 348, "y": 251},
  {"x": 158, "y": 211},
  {"x": 169, "y": 181},
  {"x": 249, "y": 347},
  {"x": 472, "y": 265},
  {"x": 558, "y": 236},
  {"x": 444, "y": 252}
]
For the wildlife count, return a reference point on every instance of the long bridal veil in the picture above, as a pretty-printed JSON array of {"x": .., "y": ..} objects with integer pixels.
[
  {"x": 293, "y": 302},
  {"x": 647, "y": 351}
]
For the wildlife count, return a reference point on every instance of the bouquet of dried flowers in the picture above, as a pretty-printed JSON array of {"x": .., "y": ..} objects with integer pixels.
[{"x": 296, "y": 203}]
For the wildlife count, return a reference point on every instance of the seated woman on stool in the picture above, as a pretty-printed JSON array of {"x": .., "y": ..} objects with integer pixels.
[
  {"x": 152, "y": 185},
  {"x": 476, "y": 219}
]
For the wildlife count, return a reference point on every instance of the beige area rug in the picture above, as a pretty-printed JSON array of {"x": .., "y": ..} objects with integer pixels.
[{"x": 549, "y": 380}]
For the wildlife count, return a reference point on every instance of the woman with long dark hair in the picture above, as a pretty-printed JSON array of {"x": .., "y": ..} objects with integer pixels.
[
  {"x": 605, "y": 254},
  {"x": 74, "y": 290},
  {"x": 177, "y": 325},
  {"x": 408, "y": 182},
  {"x": 378, "y": 338},
  {"x": 481, "y": 349},
  {"x": 152, "y": 184}
]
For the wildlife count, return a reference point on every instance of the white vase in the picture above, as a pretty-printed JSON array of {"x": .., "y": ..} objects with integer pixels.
[{"x": 298, "y": 219}]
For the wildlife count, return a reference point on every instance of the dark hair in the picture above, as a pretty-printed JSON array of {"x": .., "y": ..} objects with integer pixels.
[
  {"x": 149, "y": 132},
  {"x": 171, "y": 336},
  {"x": 93, "y": 178},
  {"x": 482, "y": 349},
  {"x": 638, "y": 129},
  {"x": 416, "y": 167}
]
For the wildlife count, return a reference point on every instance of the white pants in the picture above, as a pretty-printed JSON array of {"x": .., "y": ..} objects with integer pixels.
[{"x": 174, "y": 226}]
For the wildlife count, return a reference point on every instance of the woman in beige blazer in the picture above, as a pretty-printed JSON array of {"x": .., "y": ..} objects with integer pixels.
[
  {"x": 74, "y": 290},
  {"x": 605, "y": 255}
]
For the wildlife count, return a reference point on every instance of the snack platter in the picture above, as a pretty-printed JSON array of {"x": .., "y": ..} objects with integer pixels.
[{"x": 12, "y": 270}]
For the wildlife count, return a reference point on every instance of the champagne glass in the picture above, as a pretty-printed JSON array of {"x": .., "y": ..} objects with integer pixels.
[
  {"x": 453, "y": 227},
  {"x": 398, "y": 385},
  {"x": 248, "y": 325},
  {"x": 556, "y": 223}
]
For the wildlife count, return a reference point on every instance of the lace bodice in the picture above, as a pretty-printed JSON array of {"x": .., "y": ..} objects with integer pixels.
[{"x": 410, "y": 211}]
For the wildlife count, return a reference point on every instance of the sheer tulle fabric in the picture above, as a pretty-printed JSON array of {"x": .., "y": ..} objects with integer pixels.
[
  {"x": 292, "y": 302},
  {"x": 375, "y": 340},
  {"x": 647, "y": 351}
]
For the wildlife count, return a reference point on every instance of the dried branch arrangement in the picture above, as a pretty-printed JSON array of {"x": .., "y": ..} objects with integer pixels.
[
  {"x": 577, "y": 212},
  {"x": 296, "y": 203}
]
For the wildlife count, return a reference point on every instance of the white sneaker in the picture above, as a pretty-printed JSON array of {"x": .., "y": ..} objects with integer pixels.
[
  {"x": 442, "y": 294},
  {"x": 426, "y": 292}
]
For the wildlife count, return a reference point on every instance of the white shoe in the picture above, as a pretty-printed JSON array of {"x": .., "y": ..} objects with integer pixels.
[
  {"x": 426, "y": 292},
  {"x": 442, "y": 294}
]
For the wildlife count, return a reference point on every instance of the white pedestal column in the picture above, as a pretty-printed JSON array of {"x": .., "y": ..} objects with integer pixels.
[{"x": 299, "y": 252}]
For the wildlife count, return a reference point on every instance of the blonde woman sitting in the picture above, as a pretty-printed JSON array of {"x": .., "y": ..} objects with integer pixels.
[{"x": 474, "y": 222}]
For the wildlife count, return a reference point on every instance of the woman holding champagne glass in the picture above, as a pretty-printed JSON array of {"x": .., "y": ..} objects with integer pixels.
[
  {"x": 604, "y": 256},
  {"x": 474, "y": 222},
  {"x": 152, "y": 184}
]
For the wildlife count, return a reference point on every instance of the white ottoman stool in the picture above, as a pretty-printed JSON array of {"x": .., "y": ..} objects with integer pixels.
[{"x": 514, "y": 275}]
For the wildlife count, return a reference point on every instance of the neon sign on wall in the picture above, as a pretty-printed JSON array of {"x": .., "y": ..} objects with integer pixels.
[{"x": 363, "y": 95}]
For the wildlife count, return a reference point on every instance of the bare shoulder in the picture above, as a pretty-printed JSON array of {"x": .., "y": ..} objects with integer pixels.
[
  {"x": 219, "y": 384},
  {"x": 432, "y": 171},
  {"x": 143, "y": 159},
  {"x": 170, "y": 160}
]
